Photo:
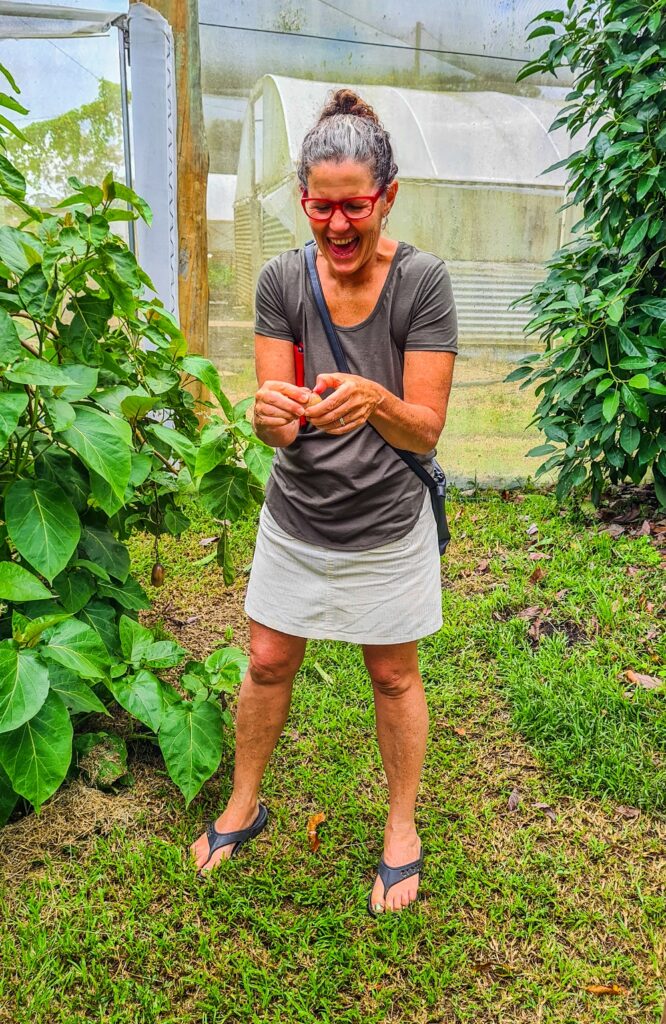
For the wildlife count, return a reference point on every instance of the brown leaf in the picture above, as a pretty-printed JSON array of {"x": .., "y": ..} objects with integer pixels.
[
  {"x": 535, "y": 629},
  {"x": 532, "y": 530},
  {"x": 483, "y": 565},
  {"x": 205, "y": 541},
  {"x": 539, "y": 556},
  {"x": 646, "y": 682},
  {"x": 459, "y": 730},
  {"x": 497, "y": 969},
  {"x": 561, "y": 594},
  {"x": 547, "y": 810},
  {"x": 529, "y": 613},
  {"x": 607, "y": 990},
  {"x": 646, "y": 529},
  {"x": 614, "y": 530},
  {"x": 537, "y": 575},
  {"x": 314, "y": 821},
  {"x": 514, "y": 800},
  {"x": 632, "y": 570},
  {"x": 630, "y": 813}
]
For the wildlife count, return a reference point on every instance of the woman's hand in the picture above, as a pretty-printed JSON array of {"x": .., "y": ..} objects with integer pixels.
[
  {"x": 350, "y": 406},
  {"x": 277, "y": 404}
]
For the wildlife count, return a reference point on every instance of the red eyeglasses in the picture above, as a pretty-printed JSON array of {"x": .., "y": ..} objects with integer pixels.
[{"x": 355, "y": 208}]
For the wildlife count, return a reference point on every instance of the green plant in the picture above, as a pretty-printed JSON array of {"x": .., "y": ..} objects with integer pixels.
[
  {"x": 99, "y": 436},
  {"x": 601, "y": 308}
]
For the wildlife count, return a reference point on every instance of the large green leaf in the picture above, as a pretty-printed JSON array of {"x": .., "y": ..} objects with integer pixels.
[
  {"x": 102, "y": 547},
  {"x": 91, "y": 315},
  {"x": 76, "y": 695},
  {"x": 36, "y": 295},
  {"x": 103, "y": 443},
  {"x": 74, "y": 588},
  {"x": 8, "y": 798},
  {"x": 190, "y": 739},
  {"x": 85, "y": 382},
  {"x": 10, "y": 344},
  {"x": 37, "y": 756},
  {"x": 17, "y": 584},
  {"x": 36, "y": 372},
  {"x": 43, "y": 525},
  {"x": 18, "y": 249},
  {"x": 142, "y": 696},
  {"x": 128, "y": 594},
  {"x": 12, "y": 406},
  {"x": 203, "y": 370},
  {"x": 178, "y": 443},
  {"x": 78, "y": 647},
  {"x": 24, "y": 684},
  {"x": 135, "y": 639},
  {"x": 259, "y": 459},
  {"x": 224, "y": 492},
  {"x": 101, "y": 616}
]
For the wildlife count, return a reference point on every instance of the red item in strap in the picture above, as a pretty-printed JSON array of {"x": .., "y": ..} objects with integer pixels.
[{"x": 299, "y": 370}]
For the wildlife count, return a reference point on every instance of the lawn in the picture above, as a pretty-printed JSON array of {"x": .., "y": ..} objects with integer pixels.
[{"x": 542, "y": 812}]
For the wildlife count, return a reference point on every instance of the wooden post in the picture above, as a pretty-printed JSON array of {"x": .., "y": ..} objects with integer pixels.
[{"x": 192, "y": 171}]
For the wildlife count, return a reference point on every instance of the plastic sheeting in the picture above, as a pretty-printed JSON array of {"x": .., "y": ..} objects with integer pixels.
[{"x": 53, "y": 19}]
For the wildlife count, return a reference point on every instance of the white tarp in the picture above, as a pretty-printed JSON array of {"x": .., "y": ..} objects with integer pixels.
[
  {"x": 154, "y": 143},
  {"x": 21, "y": 19}
]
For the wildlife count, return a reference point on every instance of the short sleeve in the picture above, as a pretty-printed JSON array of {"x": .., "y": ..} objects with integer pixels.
[
  {"x": 271, "y": 317},
  {"x": 433, "y": 323}
]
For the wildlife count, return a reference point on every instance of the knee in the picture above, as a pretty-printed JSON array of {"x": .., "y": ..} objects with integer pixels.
[
  {"x": 269, "y": 668},
  {"x": 391, "y": 682}
]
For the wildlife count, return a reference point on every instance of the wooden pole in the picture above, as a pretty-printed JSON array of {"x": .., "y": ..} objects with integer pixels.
[{"x": 192, "y": 172}]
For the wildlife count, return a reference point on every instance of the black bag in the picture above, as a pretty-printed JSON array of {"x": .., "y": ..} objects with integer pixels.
[{"x": 436, "y": 484}]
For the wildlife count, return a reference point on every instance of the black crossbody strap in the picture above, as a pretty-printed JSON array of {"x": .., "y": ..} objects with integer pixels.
[{"x": 341, "y": 359}]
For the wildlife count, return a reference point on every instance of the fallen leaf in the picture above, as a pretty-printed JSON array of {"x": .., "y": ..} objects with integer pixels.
[
  {"x": 646, "y": 528},
  {"x": 537, "y": 575},
  {"x": 614, "y": 530},
  {"x": 632, "y": 570},
  {"x": 547, "y": 810},
  {"x": 607, "y": 990},
  {"x": 538, "y": 556},
  {"x": 529, "y": 613},
  {"x": 561, "y": 594},
  {"x": 630, "y": 813},
  {"x": 514, "y": 800},
  {"x": 205, "y": 541},
  {"x": 314, "y": 821},
  {"x": 532, "y": 530},
  {"x": 535, "y": 629},
  {"x": 646, "y": 682},
  {"x": 459, "y": 730},
  {"x": 651, "y": 634},
  {"x": 492, "y": 967},
  {"x": 483, "y": 565}
]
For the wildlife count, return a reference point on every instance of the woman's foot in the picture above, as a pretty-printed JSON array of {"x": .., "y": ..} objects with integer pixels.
[
  {"x": 401, "y": 846},
  {"x": 233, "y": 819}
]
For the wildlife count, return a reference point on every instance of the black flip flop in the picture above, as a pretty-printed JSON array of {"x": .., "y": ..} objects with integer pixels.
[
  {"x": 218, "y": 839},
  {"x": 391, "y": 876}
]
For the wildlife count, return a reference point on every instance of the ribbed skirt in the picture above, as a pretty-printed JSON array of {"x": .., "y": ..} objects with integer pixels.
[{"x": 387, "y": 595}]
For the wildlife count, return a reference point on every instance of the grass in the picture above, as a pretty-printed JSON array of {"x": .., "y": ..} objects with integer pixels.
[{"x": 519, "y": 912}]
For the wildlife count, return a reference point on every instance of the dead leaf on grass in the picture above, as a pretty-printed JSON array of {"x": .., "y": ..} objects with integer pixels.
[
  {"x": 314, "y": 821},
  {"x": 529, "y": 613},
  {"x": 537, "y": 575},
  {"x": 483, "y": 565},
  {"x": 630, "y": 813},
  {"x": 607, "y": 990},
  {"x": 561, "y": 594},
  {"x": 532, "y": 530},
  {"x": 646, "y": 682},
  {"x": 614, "y": 530},
  {"x": 547, "y": 810},
  {"x": 514, "y": 800},
  {"x": 205, "y": 541},
  {"x": 646, "y": 528},
  {"x": 539, "y": 556},
  {"x": 496, "y": 969}
]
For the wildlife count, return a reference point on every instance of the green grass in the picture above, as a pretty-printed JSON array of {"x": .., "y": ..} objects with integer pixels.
[{"x": 519, "y": 914}]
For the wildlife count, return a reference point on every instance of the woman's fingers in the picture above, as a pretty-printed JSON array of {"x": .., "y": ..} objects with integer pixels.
[{"x": 278, "y": 402}]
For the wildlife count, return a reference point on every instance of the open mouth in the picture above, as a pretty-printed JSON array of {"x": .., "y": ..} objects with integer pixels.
[{"x": 343, "y": 248}]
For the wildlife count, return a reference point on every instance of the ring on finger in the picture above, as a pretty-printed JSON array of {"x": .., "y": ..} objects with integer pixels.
[{"x": 342, "y": 421}]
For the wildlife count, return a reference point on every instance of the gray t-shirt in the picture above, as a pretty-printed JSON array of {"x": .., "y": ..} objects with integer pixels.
[{"x": 353, "y": 492}]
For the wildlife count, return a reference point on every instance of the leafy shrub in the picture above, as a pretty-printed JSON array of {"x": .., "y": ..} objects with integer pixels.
[
  {"x": 98, "y": 436},
  {"x": 601, "y": 308}
]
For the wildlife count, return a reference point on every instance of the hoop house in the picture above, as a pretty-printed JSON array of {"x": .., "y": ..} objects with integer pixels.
[{"x": 471, "y": 188}]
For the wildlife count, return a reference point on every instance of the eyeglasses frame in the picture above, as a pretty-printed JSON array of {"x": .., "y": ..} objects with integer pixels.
[{"x": 337, "y": 205}]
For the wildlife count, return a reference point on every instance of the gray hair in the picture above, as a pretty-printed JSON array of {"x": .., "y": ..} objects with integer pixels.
[{"x": 348, "y": 129}]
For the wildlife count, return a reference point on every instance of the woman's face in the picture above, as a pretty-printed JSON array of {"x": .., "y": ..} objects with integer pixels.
[{"x": 347, "y": 245}]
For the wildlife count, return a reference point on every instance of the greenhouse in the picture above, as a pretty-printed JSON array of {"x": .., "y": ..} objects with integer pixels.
[{"x": 472, "y": 188}]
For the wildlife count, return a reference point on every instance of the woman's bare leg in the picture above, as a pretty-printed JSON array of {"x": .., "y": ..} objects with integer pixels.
[
  {"x": 263, "y": 705},
  {"x": 402, "y": 731}
]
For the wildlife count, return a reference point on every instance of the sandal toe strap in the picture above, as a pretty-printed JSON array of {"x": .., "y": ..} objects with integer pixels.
[
  {"x": 216, "y": 839},
  {"x": 391, "y": 876}
]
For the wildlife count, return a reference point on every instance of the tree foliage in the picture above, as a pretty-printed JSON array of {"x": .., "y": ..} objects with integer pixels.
[
  {"x": 602, "y": 306},
  {"x": 98, "y": 437}
]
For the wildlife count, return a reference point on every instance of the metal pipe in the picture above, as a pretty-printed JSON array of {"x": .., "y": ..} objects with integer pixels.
[{"x": 123, "y": 41}]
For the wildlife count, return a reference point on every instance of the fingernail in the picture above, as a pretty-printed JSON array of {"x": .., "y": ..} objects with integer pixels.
[{"x": 378, "y": 908}]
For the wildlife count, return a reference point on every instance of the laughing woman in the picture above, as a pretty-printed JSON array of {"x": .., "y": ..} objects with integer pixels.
[{"x": 347, "y": 546}]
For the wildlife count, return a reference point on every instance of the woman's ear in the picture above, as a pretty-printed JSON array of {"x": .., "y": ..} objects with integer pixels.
[{"x": 391, "y": 193}]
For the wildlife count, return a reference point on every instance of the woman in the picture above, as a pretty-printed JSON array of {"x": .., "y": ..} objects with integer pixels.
[{"x": 347, "y": 545}]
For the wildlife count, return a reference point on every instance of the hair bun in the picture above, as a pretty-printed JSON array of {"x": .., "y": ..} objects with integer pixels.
[{"x": 346, "y": 101}]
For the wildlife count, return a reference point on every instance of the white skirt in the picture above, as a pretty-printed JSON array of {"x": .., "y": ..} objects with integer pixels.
[{"x": 387, "y": 595}]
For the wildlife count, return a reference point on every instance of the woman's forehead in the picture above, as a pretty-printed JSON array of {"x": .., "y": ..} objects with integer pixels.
[{"x": 348, "y": 176}]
